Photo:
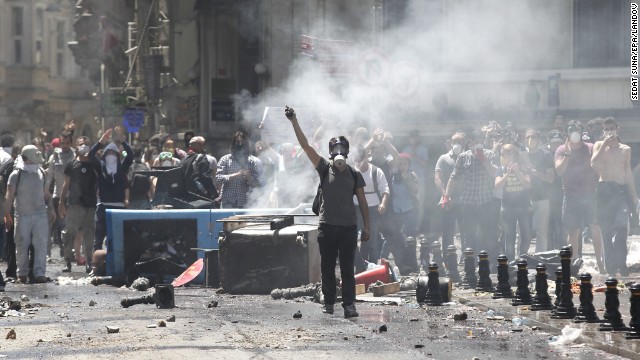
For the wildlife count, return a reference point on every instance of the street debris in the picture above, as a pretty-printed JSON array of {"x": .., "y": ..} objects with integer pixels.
[
  {"x": 113, "y": 329},
  {"x": 92, "y": 303},
  {"x": 11, "y": 335},
  {"x": 140, "y": 284},
  {"x": 162, "y": 323},
  {"x": 296, "y": 292},
  {"x": 63, "y": 280},
  {"x": 297, "y": 315},
  {"x": 68, "y": 334},
  {"x": 382, "y": 328},
  {"x": 152, "y": 326},
  {"x": 171, "y": 318},
  {"x": 569, "y": 335},
  {"x": 24, "y": 298},
  {"x": 212, "y": 304},
  {"x": 460, "y": 316}
]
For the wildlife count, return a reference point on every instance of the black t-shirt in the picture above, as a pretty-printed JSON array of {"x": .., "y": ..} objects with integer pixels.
[
  {"x": 83, "y": 183},
  {"x": 514, "y": 194},
  {"x": 541, "y": 160}
]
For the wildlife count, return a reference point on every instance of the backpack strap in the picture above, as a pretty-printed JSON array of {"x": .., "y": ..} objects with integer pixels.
[
  {"x": 355, "y": 178},
  {"x": 374, "y": 176}
]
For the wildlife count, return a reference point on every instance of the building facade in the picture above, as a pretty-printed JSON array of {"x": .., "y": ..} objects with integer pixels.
[{"x": 41, "y": 86}]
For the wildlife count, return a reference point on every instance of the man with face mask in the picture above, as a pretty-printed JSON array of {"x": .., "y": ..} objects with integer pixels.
[
  {"x": 58, "y": 161},
  {"x": 573, "y": 164},
  {"x": 78, "y": 203},
  {"x": 237, "y": 174},
  {"x": 450, "y": 211},
  {"x": 616, "y": 196},
  {"x": 337, "y": 229},
  {"x": 33, "y": 204},
  {"x": 473, "y": 178},
  {"x": 112, "y": 178},
  {"x": 542, "y": 174}
]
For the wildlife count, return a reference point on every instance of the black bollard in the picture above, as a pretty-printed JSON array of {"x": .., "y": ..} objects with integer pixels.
[
  {"x": 586, "y": 310},
  {"x": 433, "y": 295},
  {"x": 542, "y": 300},
  {"x": 469, "y": 280},
  {"x": 484, "y": 281},
  {"x": 424, "y": 251},
  {"x": 503, "y": 289},
  {"x": 452, "y": 264},
  {"x": 565, "y": 309},
  {"x": 634, "y": 324},
  {"x": 522, "y": 295},
  {"x": 612, "y": 317},
  {"x": 436, "y": 251},
  {"x": 147, "y": 299}
]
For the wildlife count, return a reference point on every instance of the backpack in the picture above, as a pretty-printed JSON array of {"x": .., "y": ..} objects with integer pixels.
[
  {"x": 5, "y": 170},
  {"x": 315, "y": 207},
  {"x": 197, "y": 175}
]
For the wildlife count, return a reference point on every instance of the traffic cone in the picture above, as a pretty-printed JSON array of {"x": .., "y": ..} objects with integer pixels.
[{"x": 379, "y": 273}]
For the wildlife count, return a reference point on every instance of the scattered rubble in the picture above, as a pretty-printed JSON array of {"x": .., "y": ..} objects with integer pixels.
[
  {"x": 162, "y": 323},
  {"x": 92, "y": 303},
  {"x": 11, "y": 335},
  {"x": 212, "y": 304},
  {"x": 113, "y": 329},
  {"x": 24, "y": 298},
  {"x": 382, "y": 328},
  {"x": 460, "y": 316},
  {"x": 297, "y": 315},
  {"x": 171, "y": 318},
  {"x": 140, "y": 284},
  {"x": 292, "y": 293}
]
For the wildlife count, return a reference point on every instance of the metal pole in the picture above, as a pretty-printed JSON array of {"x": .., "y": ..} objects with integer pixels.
[{"x": 102, "y": 94}]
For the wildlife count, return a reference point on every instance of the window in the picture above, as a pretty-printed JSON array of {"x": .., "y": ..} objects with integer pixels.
[
  {"x": 17, "y": 31},
  {"x": 38, "y": 52},
  {"x": 18, "y": 25},
  {"x": 17, "y": 51},
  {"x": 60, "y": 46},
  {"x": 60, "y": 35},
  {"x": 601, "y": 33},
  {"x": 39, "y": 22}
]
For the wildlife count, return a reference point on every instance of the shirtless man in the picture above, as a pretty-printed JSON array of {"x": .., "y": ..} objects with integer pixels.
[
  {"x": 616, "y": 192},
  {"x": 573, "y": 164}
]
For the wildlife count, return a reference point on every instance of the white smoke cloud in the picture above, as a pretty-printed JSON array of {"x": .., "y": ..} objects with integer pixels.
[{"x": 434, "y": 50}]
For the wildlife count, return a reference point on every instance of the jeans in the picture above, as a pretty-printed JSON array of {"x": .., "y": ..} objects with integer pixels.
[
  {"x": 484, "y": 218},
  {"x": 510, "y": 218},
  {"x": 404, "y": 254},
  {"x": 613, "y": 218},
  {"x": 31, "y": 230},
  {"x": 449, "y": 217},
  {"x": 101, "y": 225},
  {"x": 370, "y": 250},
  {"x": 337, "y": 241},
  {"x": 541, "y": 211}
]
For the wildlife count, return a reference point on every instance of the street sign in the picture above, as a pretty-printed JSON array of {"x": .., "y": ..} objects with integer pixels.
[{"x": 133, "y": 120}]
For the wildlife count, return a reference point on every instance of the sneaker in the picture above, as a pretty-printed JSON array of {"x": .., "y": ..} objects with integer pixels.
[
  {"x": 327, "y": 309},
  {"x": 40, "y": 280},
  {"x": 67, "y": 267},
  {"x": 350, "y": 311},
  {"x": 88, "y": 268}
]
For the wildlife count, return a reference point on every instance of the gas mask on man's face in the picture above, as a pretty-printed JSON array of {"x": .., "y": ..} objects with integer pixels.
[{"x": 339, "y": 152}]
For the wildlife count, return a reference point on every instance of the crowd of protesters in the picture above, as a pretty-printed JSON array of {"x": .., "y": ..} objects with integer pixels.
[{"x": 500, "y": 188}]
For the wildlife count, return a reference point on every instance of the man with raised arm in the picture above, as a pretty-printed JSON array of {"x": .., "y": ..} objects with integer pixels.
[{"x": 337, "y": 229}]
